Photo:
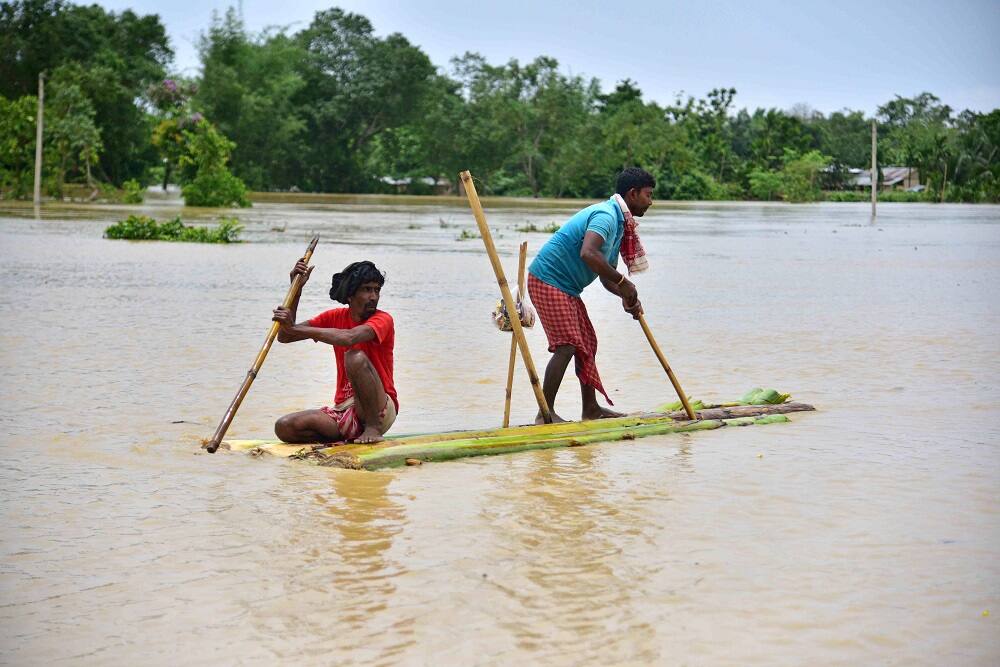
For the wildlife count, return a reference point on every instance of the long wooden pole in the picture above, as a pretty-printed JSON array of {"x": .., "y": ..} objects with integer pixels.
[
  {"x": 874, "y": 167},
  {"x": 522, "y": 257},
  {"x": 37, "y": 197},
  {"x": 227, "y": 418},
  {"x": 670, "y": 374},
  {"x": 484, "y": 231}
]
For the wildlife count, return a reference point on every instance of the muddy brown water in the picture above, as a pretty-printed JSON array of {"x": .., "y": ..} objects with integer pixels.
[{"x": 867, "y": 532}]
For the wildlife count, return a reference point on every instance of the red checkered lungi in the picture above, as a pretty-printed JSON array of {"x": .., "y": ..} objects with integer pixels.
[{"x": 566, "y": 322}]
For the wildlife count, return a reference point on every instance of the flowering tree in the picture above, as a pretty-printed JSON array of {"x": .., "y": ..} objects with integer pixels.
[
  {"x": 194, "y": 149},
  {"x": 172, "y": 102}
]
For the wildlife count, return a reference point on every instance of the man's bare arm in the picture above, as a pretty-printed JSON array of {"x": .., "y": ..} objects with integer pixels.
[
  {"x": 290, "y": 332},
  {"x": 337, "y": 337}
]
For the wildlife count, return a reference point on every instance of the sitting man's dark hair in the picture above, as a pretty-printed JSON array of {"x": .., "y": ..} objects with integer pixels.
[
  {"x": 347, "y": 282},
  {"x": 634, "y": 177}
]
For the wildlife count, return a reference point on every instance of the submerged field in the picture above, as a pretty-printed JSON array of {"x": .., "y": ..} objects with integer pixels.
[{"x": 866, "y": 532}]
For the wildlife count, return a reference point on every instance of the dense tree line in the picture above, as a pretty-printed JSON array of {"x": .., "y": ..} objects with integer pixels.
[{"x": 334, "y": 108}]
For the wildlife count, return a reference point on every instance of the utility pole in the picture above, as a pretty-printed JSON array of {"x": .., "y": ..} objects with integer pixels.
[
  {"x": 38, "y": 140},
  {"x": 874, "y": 168}
]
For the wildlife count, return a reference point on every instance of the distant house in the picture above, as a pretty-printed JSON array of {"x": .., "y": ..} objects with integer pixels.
[
  {"x": 893, "y": 178},
  {"x": 439, "y": 186}
]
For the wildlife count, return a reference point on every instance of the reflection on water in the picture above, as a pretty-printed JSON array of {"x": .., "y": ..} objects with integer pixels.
[
  {"x": 567, "y": 540},
  {"x": 866, "y": 532}
]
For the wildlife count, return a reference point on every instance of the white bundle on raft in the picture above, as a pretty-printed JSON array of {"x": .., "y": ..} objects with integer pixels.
[{"x": 525, "y": 313}]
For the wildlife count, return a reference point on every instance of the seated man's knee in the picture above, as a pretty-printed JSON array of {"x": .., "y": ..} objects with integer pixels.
[
  {"x": 284, "y": 428},
  {"x": 355, "y": 361}
]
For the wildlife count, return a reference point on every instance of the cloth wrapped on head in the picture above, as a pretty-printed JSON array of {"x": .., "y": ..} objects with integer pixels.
[{"x": 346, "y": 283}]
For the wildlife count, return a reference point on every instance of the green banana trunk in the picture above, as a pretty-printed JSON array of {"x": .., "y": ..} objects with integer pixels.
[{"x": 461, "y": 444}]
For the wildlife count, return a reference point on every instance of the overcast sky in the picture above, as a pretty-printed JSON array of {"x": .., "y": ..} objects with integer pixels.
[{"x": 829, "y": 55}]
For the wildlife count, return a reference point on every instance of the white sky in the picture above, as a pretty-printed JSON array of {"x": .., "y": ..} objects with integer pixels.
[{"x": 829, "y": 55}]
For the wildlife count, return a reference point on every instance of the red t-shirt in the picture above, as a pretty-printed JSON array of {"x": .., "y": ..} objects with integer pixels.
[{"x": 378, "y": 351}]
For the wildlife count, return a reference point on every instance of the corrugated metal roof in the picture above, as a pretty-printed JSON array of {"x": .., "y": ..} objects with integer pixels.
[{"x": 890, "y": 176}]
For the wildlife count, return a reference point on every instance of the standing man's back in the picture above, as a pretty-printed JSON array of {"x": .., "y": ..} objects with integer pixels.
[{"x": 584, "y": 249}]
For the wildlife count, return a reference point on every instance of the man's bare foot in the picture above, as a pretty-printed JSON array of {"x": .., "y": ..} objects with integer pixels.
[
  {"x": 369, "y": 436},
  {"x": 555, "y": 418},
  {"x": 600, "y": 413}
]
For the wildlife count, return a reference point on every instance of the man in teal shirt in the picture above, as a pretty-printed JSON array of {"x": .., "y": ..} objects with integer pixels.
[{"x": 585, "y": 248}]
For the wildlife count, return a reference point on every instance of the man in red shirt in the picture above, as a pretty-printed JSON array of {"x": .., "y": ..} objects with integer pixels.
[{"x": 362, "y": 337}]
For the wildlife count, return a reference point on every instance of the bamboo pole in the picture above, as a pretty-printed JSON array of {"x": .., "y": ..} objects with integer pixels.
[
  {"x": 484, "y": 231},
  {"x": 227, "y": 418},
  {"x": 874, "y": 168},
  {"x": 522, "y": 256},
  {"x": 37, "y": 196},
  {"x": 666, "y": 367}
]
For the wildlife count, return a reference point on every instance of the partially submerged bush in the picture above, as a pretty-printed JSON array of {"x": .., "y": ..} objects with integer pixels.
[
  {"x": 550, "y": 228},
  {"x": 215, "y": 188},
  {"x": 204, "y": 171},
  {"x": 133, "y": 191},
  {"x": 467, "y": 235},
  {"x": 144, "y": 228}
]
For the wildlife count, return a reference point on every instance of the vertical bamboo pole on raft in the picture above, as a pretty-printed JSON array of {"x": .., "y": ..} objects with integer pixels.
[
  {"x": 522, "y": 256},
  {"x": 484, "y": 231}
]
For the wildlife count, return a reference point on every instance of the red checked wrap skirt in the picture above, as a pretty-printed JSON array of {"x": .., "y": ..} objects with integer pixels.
[{"x": 566, "y": 322}]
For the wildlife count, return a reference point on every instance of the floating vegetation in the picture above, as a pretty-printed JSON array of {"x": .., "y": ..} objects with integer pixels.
[
  {"x": 550, "y": 228},
  {"x": 755, "y": 396},
  {"x": 144, "y": 228},
  {"x": 466, "y": 235},
  {"x": 758, "y": 396},
  {"x": 696, "y": 404}
]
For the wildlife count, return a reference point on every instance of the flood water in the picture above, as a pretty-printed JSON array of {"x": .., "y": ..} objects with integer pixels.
[{"x": 867, "y": 532}]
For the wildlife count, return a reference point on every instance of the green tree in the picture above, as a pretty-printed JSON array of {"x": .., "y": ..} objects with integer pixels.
[
  {"x": 624, "y": 93},
  {"x": 765, "y": 185},
  {"x": 118, "y": 55},
  {"x": 640, "y": 134},
  {"x": 171, "y": 99},
  {"x": 800, "y": 176},
  {"x": 72, "y": 139},
  {"x": 771, "y": 132},
  {"x": 919, "y": 133},
  {"x": 977, "y": 173},
  {"x": 356, "y": 86},
  {"x": 714, "y": 134},
  {"x": 846, "y": 137},
  {"x": 248, "y": 87},
  {"x": 17, "y": 145},
  {"x": 580, "y": 167},
  {"x": 519, "y": 117}
]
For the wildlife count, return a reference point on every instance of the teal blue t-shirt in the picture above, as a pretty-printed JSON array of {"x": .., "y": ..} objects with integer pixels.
[{"x": 558, "y": 263}]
